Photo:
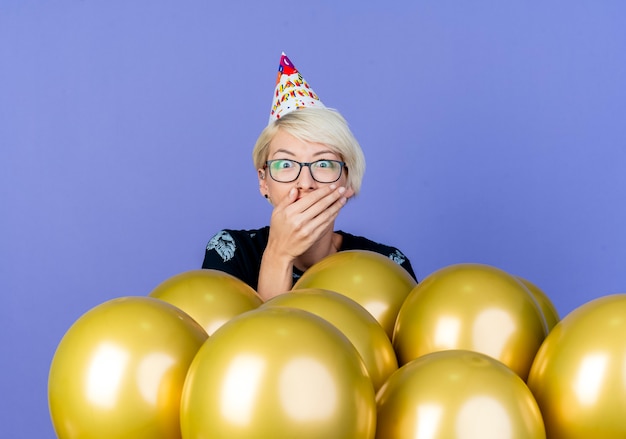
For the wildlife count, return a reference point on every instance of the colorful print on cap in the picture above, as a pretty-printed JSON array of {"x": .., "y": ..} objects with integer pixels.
[{"x": 292, "y": 91}]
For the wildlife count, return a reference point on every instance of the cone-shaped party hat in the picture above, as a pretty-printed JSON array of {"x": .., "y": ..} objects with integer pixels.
[{"x": 292, "y": 91}]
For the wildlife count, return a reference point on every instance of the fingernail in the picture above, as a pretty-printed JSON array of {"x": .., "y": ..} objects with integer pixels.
[
  {"x": 333, "y": 187},
  {"x": 342, "y": 190}
]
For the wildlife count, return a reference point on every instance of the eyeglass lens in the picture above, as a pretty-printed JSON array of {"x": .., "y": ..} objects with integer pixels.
[{"x": 323, "y": 171}]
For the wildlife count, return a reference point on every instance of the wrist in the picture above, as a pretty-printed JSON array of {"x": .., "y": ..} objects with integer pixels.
[{"x": 277, "y": 255}]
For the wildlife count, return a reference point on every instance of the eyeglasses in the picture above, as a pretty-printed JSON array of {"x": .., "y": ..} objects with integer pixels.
[{"x": 322, "y": 171}]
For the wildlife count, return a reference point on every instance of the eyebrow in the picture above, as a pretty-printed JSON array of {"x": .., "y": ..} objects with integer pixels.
[{"x": 286, "y": 151}]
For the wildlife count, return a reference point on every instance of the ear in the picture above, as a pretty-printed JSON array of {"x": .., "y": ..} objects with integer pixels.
[{"x": 262, "y": 181}]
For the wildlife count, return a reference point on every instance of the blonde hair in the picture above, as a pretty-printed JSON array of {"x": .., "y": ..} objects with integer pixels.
[{"x": 317, "y": 125}]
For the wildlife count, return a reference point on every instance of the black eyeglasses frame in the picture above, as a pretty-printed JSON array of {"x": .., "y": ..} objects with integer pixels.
[{"x": 341, "y": 164}]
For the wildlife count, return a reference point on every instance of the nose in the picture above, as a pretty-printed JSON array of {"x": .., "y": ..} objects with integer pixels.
[{"x": 305, "y": 179}]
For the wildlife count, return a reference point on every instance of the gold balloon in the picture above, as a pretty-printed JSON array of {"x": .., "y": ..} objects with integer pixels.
[
  {"x": 119, "y": 370},
  {"x": 457, "y": 394},
  {"x": 211, "y": 297},
  {"x": 474, "y": 307},
  {"x": 547, "y": 307},
  {"x": 579, "y": 374},
  {"x": 372, "y": 280},
  {"x": 278, "y": 373},
  {"x": 354, "y": 321}
]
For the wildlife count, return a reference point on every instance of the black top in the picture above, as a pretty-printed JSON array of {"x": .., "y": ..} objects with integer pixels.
[{"x": 239, "y": 252}]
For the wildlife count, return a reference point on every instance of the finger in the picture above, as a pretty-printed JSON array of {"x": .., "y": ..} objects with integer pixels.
[
  {"x": 324, "y": 218},
  {"x": 330, "y": 205},
  {"x": 310, "y": 199},
  {"x": 305, "y": 216},
  {"x": 307, "y": 231},
  {"x": 320, "y": 200}
]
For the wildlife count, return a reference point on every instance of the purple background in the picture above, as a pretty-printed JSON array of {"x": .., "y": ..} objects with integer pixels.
[{"x": 494, "y": 133}]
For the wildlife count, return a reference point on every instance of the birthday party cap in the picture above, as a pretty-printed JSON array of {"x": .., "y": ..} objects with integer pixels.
[{"x": 292, "y": 91}]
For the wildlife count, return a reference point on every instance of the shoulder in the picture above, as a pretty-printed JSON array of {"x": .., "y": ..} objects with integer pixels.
[
  {"x": 229, "y": 235},
  {"x": 237, "y": 252},
  {"x": 226, "y": 241},
  {"x": 354, "y": 242}
]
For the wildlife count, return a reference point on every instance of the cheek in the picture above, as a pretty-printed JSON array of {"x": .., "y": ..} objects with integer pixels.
[{"x": 277, "y": 191}]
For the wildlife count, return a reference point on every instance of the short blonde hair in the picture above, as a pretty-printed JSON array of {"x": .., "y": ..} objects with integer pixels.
[{"x": 317, "y": 125}]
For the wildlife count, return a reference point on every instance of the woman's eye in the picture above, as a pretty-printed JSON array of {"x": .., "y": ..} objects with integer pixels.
[
  {"x": 325, "y": 164},
  {"x": 283, "y": 164}
]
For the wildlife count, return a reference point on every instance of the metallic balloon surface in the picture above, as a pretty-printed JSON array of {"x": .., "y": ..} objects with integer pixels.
[
  {"x": 457, "y": 394},
  {"x": 547, "y": 307},
  {"x": 475, "y": 307},
  {"x": 210, "y": 297},
  {"x": 372, "y": 280},
  {"x": 119, "y": 370},
  {"x": 278, "y": 373},
  {"x": 579, "y": 374},
  {"x": 354, "y": 321}
]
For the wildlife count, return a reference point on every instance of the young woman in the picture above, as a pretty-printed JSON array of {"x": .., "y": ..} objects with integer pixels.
[{"x": 309, "y": 164}]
